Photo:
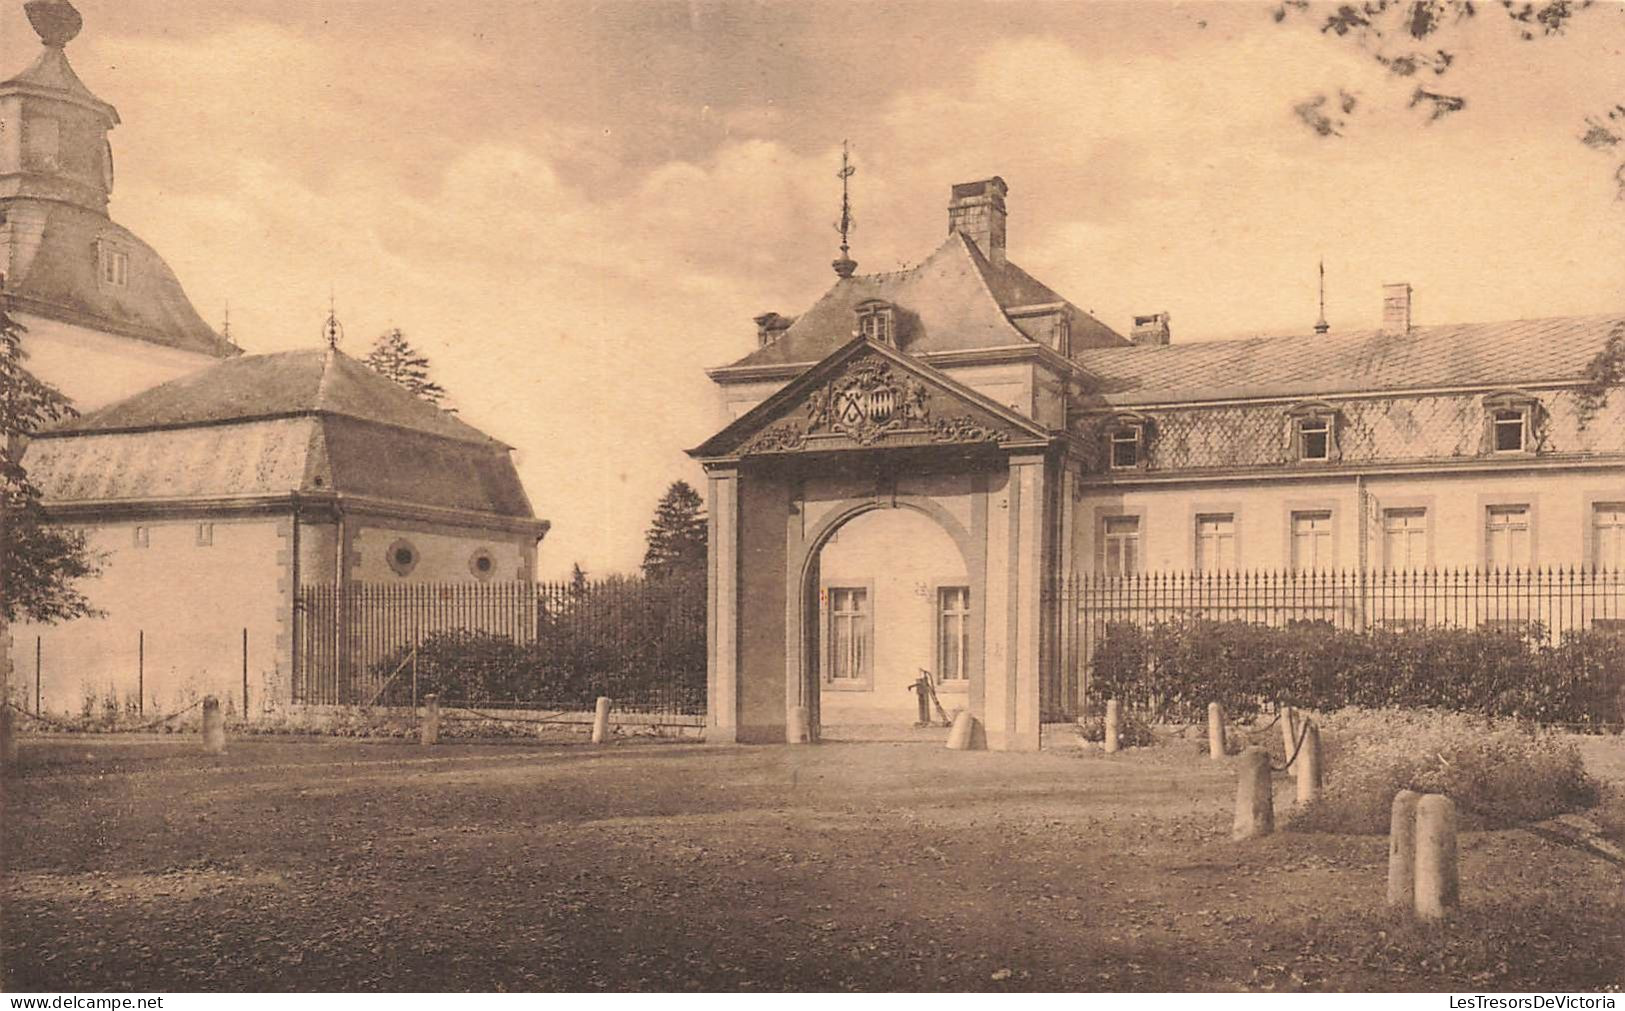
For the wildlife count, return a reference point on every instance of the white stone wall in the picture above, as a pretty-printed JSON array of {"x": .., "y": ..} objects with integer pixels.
[
  {"x": 192, "y": 601},
  {"x": 95, "y": 369},
  {"x": 901, "y": 556},
  {"x": 1561, "y": 503}
]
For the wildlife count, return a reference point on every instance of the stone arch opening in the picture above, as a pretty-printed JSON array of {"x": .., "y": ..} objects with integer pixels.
[{"x": 886, "y": 588}]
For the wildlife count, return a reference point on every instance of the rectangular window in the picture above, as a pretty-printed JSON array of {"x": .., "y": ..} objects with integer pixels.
[
  {"x": 1121, "y": 537},
  {"x": 1509, "y": 430},
  {"x": 1314, "y": 439},
  {"x": 1404, "y": 539},
  {"x": 1608, "y": 536},
  {"x": 205, "y": 534},
  {"x": 115, "y": 267},
  {"x": 1312, "y": 541},
  {"x": 953, "y": 633},
  {"x": 1126, "y": 446},
  {"x": 1216, "y": 542},
  {"x": 1506, "y": 537},
  {"x": 848, "y": 633},
  {"x": 143, "y": 537}
]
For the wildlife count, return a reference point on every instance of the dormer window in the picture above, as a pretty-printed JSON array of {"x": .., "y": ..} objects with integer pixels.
[
  {"x": 1313, "y": 432},
  {"x": 1509, "y": 420},
  {"x": 1125, "y": 442},
  {"x": 877, "y": 322},
  {"x": 114, "y": 265}
]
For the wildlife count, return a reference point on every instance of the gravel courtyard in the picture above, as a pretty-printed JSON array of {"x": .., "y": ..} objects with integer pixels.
[{"x": 313, "y": 864}]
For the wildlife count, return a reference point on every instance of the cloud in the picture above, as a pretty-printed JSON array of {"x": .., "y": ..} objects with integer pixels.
[{"x": 572, "y": 257}]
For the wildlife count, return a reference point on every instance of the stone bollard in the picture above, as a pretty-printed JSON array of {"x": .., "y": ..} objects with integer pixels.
[
  {"x": 429, "y": 729},
  {"x": 1255, "y": 796},
  {"x": 8, "y": 737},
  {"x": 1215, "y": 730},
  {"x": 1402, "y": 849},
  {"x": 1289, "y": 728},
  {"x": 600, "y": 720},
  {"x": 1438, "y": 889},
  {"x": 1308, "y": 764},
  {"x": 798, "y": 729},
  {"x": 1112, "y": 724},
  {"x": 967, "y": 734},
  {"x": 214, "y": 727}
]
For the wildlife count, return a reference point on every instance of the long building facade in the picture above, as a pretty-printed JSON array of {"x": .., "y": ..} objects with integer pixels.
[{"x": 919, "y": 466}]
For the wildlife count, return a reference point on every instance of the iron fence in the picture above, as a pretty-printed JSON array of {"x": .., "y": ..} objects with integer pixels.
[
  {"x": 515, "y": 645},
  {"x": 1543, "y": 606}
]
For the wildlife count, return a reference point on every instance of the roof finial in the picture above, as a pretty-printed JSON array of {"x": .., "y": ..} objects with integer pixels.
[
  {"x": 332, "y": 330},
  {"x": 56, "y": 22},
  {"x": 1321, "y": 326},
  {"x": 225, "y": 326},
  {"x": 845, "y": 265}
]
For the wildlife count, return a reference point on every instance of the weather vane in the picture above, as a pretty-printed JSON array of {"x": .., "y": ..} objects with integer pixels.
[
  {"x": 1321, "y": 326},
  {"x": 845, "y": 265},
  {"x": 332, "y": 330}
]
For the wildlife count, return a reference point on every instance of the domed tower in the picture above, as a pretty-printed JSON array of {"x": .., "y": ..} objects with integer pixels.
[{"x": 106, "y": 317}]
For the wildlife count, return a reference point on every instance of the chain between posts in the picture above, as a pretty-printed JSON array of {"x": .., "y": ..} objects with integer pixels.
[
  {"x": 1303, "y": 733},
  {"x": 555, "y": 718},
  {"x": 122, "y": 730}
]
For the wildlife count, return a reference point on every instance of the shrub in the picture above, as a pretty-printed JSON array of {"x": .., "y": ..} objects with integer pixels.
[
  {"x": 1132, "y": 732},
  {"x": 1499, "y": 772},
  {"x": 1173, "y": 669}
]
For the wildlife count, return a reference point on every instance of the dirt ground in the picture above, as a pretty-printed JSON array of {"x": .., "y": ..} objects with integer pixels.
[{"x": 314, "y": 864}]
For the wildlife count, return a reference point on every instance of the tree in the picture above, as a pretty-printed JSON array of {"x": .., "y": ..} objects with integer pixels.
[
  {"x": 677, "y": 538},
  {"x": 40, "y": 564},
  {"x": 395, "y": 359},
  {"x": 1420, "y": 40}
]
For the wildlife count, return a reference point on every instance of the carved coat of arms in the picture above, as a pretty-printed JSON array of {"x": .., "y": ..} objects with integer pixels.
[{"x": 868, "y": 401}]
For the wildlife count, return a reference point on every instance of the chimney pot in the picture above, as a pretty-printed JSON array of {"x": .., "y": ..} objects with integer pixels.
[
  {"x": 976, "y": 211},
  {"x": 1152, "y": 330},
  {"x": 1396, "y": 309}
]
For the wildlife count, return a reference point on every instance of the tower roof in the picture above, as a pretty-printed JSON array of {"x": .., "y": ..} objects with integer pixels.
[
  {"x": 310, "y": 423},
  {"x": 285, "y": 384}
]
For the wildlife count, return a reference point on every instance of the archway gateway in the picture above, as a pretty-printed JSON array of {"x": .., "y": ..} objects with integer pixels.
[
  {"x": 866, "y": 429},
  {"x": 886, "y": 592}
]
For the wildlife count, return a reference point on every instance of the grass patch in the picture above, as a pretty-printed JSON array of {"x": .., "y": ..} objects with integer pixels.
[{"x": 1500, "y": 773}]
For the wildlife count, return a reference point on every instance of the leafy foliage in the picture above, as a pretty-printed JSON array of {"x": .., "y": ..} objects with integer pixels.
[
  {"x": 1419, "y": 39},
  {"x": 393, "y": 357},
  {"x": 40, "y": 564},
  {"x": 1175, "y": 668},
  {"x": 1604, "y": 372},
  {"x": 677, "y": 538},
  {"x": 1498, "y": 773},
  {"x": 639, "y": 642}
]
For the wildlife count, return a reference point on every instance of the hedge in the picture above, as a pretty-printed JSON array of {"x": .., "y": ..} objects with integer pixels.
[{"x": 1173, "y": 669}]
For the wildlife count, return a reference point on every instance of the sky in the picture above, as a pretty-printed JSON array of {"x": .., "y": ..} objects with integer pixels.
[{"x": 575, "y": 208}]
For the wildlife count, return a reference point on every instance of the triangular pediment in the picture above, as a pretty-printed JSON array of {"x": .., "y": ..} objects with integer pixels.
[{"x": 867, "y": 395}]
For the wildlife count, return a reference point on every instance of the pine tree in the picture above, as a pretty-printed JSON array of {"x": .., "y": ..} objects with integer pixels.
[
  {"x": 394, "y": 358},
  {"x": 40, "y": 564},
  {"x": 677, "y": 538}
]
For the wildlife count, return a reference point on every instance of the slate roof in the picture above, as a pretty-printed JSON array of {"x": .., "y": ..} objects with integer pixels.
[
  {"x": 955, "y": 300},
  {"x": 314, "y": 422},
  {"x": 1517, "y": 353},
  {"x": 48, "y": 253},
  {"x": 284, "y": 384}
]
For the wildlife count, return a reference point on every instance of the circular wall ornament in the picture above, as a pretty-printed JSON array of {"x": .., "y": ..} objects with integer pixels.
[
  {"x": 483, "y": 564},
  {"x": 402, "y": 557}
]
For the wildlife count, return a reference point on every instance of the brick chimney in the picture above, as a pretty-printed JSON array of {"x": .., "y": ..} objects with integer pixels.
[
  {"x": 1151, "y": 330},
  {"x": 1396, "y": 309},
  {"x": 976, "y": 210}
]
